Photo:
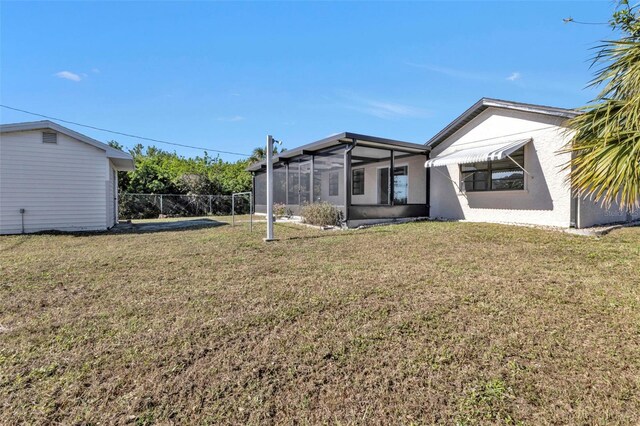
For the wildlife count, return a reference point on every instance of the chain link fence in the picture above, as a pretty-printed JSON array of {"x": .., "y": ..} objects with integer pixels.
[{"x": 150, "y": 206}]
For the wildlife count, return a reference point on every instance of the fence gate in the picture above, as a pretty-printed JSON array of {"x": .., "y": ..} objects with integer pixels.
[{"x": 241, "y": 197}]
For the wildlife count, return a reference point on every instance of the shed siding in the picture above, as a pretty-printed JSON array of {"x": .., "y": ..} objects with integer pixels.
[
  {"x": 61, "y": 186},
  {"x": 547, "y": 198}
]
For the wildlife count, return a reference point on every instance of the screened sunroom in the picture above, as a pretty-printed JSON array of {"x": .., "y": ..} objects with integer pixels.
[{"x": 369, "y": 178}]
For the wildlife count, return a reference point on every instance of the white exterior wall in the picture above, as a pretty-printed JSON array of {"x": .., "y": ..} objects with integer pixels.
[
  {"x": 593, "y": 213},
  {"x": 61, "y": 186},
  {"x": 417, "y": 180},
  {"x": 546, "y": 199}
]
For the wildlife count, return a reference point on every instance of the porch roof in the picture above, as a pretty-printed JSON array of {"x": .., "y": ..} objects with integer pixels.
[{"x": 342, "y": 139}]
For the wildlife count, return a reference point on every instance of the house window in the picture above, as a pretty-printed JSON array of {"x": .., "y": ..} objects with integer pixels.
[
  {"x": 400, "y": 185},
  {"x": 501, "y": 175},
  {"x": 334, "y": 186},
  {"x": 49, "y": 137},
  {"x": 357, "y": 181}
]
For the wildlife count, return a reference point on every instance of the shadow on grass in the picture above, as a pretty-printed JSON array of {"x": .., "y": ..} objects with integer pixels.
[
  {"x": 169, "y": 226},
  {"x": 138, "y": 228},
  {"x": 324, "y": 234}
]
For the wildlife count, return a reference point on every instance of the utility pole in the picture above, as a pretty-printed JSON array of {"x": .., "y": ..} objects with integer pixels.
[{"x": 269, "y": 189}]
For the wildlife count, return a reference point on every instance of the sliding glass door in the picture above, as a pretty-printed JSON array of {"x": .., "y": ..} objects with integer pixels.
[{"x": 400, "y": 185}]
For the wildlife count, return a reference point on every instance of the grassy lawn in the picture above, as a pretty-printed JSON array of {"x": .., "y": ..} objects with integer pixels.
[{"x": 409, "y": 324}]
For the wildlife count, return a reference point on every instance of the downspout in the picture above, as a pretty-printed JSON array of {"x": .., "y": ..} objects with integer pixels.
[
  {"x": 312, "y": 179},
  {"x": 574, "y": 210},
  {"x": 428, "y": 184},
  {"x": 22, "y": 211},
  {"x": 392, "y": 175},
  {"x": 286, "y": 184}
]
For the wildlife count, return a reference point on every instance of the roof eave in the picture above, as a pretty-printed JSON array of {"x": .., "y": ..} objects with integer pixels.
[
  {"x": 337, "y": 139},
  {"x": 50, "y": 125},
  {"x": 485, "y": 103}
]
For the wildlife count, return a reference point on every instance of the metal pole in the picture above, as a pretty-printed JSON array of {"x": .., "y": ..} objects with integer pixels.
[
  {"x": 392, "y": 177},
  {"x": 251, "y": 212},
  {"x": 210, "y": 205},
  {"x": 311, "y": 178},
  {"x": 233, "y": 210},
  {"x": 269, "y": 189},
  {"x": 286, "y": 184},
  {"x": 160, "y": 203},
  {"x": 347, "y": 180}
]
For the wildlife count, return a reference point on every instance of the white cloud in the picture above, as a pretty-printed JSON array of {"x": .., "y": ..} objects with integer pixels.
[
  {"x": 451, "y": 72},
  {"x": 383, "y": 109},
  {"x": 95, "y": 70},
  {"x": 68, "y": 75},
  {"x": 231, "y": 119},
  {"x": 514, "y": 76}
]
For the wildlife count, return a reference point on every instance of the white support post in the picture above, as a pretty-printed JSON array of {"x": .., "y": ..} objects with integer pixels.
[{"x": 269, "y": 189}]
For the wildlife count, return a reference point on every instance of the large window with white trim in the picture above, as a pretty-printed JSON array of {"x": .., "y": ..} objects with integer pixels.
[{"x": 500, "y": 175}]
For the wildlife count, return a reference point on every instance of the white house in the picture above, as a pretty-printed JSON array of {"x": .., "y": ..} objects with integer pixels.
[
  {"x": 501, "y": 161},
  {"x": 53, "y": 178}
]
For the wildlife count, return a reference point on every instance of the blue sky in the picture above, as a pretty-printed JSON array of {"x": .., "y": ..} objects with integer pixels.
[{"x": 224, "y": 75}]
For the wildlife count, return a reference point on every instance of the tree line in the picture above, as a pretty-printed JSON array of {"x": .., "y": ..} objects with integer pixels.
[{"x": 163, "y": 172}]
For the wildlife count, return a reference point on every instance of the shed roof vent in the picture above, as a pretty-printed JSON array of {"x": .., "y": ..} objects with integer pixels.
[{"x": 49, "y": 137}]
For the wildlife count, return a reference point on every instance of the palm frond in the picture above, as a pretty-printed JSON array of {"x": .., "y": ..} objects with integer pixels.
[{"x": 605, "y": 146}]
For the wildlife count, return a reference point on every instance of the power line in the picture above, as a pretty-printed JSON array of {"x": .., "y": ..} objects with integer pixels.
[
  {"x": 125, "y": 134},
  {"x": 571, "y": 20}
]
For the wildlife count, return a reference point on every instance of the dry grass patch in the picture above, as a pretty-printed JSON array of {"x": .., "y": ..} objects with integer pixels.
[{"x": 410, "y": 324}]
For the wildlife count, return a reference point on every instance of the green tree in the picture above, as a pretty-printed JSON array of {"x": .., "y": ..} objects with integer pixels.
[
  {"x": 163, "y": 172},
  {"x": 116, "y": 145},
  {"x": 606, "y": 144}
]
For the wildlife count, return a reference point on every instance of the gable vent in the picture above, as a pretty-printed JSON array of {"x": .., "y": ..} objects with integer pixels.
[{"x": 49, "y": 137}]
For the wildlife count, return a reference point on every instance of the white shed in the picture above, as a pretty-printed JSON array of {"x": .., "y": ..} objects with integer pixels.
[{"x": 53, "y": 178}]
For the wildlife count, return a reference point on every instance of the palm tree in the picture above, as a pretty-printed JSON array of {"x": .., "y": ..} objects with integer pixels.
[
  {"x": 260, "y": 153},
  {"x": 606, "y": 144}
]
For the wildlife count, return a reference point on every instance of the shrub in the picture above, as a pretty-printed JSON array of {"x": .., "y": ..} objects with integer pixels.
[
  {"x": 280, "y": 210},
  {"x": 322, "y": 214}
]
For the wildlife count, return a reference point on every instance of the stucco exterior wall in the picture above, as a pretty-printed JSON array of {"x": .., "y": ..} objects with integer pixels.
[
  {"x": 546, "y": 199},
  {"x": 417, "y": 193},
  {"x": 61, "y": 186},
  {"x": 594, "y": 213}
]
